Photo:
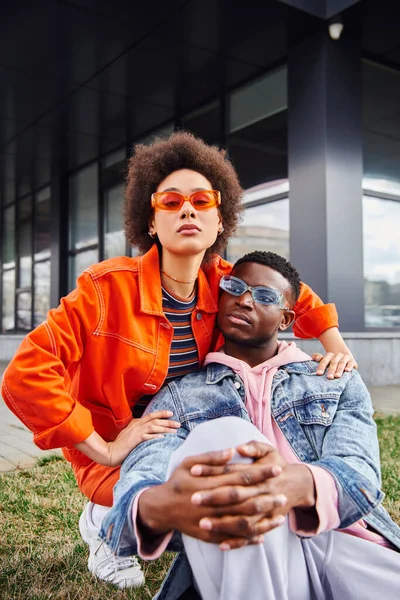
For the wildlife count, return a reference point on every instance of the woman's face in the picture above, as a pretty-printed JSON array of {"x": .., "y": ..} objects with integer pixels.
[{"x": 186, "y": 231}]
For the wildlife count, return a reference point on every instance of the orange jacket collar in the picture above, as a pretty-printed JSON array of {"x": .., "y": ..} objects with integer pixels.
[{"x": 150, "y": 286}]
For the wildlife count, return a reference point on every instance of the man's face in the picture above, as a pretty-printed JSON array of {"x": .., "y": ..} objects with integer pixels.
[{"x": 250, "y": 323}]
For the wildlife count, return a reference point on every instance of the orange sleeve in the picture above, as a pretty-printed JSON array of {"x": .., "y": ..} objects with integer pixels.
[
  {"x": 313, "y": 317},
  {"x": 35, "y": 383}
]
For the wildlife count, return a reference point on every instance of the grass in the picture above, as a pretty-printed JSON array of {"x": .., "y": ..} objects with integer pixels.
[
  {"x": 42, "y": 556},
  {"x": 389, "y": 441}
]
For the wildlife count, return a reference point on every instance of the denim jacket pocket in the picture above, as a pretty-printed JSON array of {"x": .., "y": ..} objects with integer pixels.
[
  {"x": 317, "y": 410},
  {"x": 194, "y": 418}
]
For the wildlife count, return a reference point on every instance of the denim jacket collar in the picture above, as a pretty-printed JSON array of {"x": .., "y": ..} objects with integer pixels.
[{"x": 216, "y": 371}]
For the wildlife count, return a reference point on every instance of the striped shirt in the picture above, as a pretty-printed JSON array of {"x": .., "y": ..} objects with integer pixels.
[{"x": 184, "y": 357}]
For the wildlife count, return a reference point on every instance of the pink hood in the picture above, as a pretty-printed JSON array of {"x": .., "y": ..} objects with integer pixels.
[{"x": 258, "y": 380}]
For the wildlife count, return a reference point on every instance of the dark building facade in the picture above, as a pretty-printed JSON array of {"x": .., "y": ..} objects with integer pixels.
[{"x": 311, "y": 123}]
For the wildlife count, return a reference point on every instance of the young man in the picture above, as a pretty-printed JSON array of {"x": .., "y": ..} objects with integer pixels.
[{"x": 306, "y": 511}]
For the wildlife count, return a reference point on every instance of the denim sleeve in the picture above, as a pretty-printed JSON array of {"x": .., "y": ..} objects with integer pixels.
[
  {"x": 144, "y": 467},
  {"x": 350, "y": 452}
]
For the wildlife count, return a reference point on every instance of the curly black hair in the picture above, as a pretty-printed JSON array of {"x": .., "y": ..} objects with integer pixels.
[
  {"x": 149, "y": 165},
  {"x": 278, "y": 263}
]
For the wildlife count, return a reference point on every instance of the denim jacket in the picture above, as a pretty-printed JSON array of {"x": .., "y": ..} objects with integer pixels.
[{"x": 327, "y": 423}]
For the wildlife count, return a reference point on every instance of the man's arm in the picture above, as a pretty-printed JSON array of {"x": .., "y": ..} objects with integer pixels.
[{"x": 350, "y": 454}]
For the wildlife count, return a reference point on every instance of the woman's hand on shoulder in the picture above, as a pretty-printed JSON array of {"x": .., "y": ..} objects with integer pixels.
[
  {"x": 338, "y": 358},
  {"x": 334, "y": 364}
]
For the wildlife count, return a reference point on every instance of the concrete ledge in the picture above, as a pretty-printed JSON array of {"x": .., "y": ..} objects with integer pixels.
[
  {"x": 8, "y": 346},
  {"x": 377, "y": 353}
]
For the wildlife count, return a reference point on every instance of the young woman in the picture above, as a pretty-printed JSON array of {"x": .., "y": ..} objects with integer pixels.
[{"x": 132, "y": 323}]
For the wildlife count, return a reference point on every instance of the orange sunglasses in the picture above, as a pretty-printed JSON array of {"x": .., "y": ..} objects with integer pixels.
[{"x": 200, "y": 200}]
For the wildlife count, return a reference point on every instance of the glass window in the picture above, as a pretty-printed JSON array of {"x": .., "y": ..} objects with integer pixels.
[
  {"x": 381, "y": 202},
  {"x": 260, "y": 99},
  {"x": 113, "y": 158},
  {"x": 8, "y": 308},
  {"x": 79, "y": 263},
  {"x": 264, "y": 227},
  {"x": 42, "y": 224},
  {"x": 41, "y": 291},
  {"x": 381, "y": 226},
  {"x": 113, "y": 168},
  {"x": 9, "y": 237},
  {"x": 25, "y": 256},
  {"x": 83, "y": 196},
  {"x": 257, "y": 141},
  {"x": 204, "y": 123},
  {"x": 163, "y": 132},
  {"x": 114, "y": 243},
  {"x": 25, "y": 208},
  {"x": 259, "y": 151},
  {"x": 24, "y": 311},
  {"x": 381, "y": 138}
]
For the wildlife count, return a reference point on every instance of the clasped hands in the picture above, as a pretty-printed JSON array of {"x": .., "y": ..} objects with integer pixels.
[{"x": 232, "y": 504}]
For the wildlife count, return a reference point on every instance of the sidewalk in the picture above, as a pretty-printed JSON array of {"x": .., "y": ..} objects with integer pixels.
[
  {"x": 16, "y": 447},
  {"x": 18, "y": 451}
]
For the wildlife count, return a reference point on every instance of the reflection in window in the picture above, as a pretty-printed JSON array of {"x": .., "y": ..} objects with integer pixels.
[
  {"x": 114, "y": 243},
  {"x": 83, "y": 193},
  {"x": 257, "y": 141},
  {"x": 41, "y": 291},
  {"x": 204, "y": 122},
  {"x": 161, "y": 133},
  {"x": 258, "y": 100},
  {"x": 113, "y": 168},
  {"x": 8, "y": 308},
  {"x": 24, "y": 311},
  {"x": 42, "y": 224},
  {"x": 25, "y": 254},
  {"x": 114, "y": 158},
  {"x": 381, "y": 226},
  {"x": 264, "y": 227},
  {"x": 79, "y": 263},
  {"x": 9, "y": 237}
]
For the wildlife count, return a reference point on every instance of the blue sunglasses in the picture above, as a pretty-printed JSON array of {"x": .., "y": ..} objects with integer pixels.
[{"x": 261, "y": 294}]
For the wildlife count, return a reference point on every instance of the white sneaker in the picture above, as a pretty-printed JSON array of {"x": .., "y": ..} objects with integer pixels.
[{"x": 123, "y": 571}]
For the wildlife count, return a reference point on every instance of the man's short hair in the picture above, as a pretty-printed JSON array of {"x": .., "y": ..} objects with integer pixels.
[{"x": 277, "y": 263}]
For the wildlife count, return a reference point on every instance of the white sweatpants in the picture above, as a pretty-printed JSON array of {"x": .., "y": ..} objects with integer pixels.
[{"x": 332, "y": 565}]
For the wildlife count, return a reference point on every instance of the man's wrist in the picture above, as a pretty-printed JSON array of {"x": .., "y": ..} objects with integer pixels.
[
  {"x": 151, "y": 512},
  {"x": 304, "y": 484}
]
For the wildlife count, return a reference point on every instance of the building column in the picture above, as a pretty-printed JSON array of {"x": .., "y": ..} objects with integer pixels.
[{"x": 325, "y": 170}]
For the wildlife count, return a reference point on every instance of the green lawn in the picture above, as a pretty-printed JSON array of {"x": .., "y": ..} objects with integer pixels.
[{"x": 42, "y": 556}]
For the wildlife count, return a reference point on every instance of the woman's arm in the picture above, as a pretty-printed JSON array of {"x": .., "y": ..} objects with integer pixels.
[
  {"x": 111, "y": 454},
  {"x": 338, "y": 357},
  {"x": 34, "y": 383},
  {"x": 314, "y": 319}
]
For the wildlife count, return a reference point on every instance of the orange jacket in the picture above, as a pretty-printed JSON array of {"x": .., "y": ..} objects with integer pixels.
[{"x": 108, "y": 344}]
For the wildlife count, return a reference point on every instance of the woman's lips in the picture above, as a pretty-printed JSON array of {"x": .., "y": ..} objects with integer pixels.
[{"x": 188, "y": 229}]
